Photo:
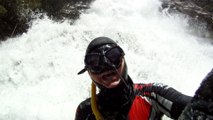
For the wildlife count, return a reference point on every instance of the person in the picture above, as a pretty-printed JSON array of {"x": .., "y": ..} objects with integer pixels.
[
  {"x": 118, "y": 97},
  {"x": 201, "y": 105}
]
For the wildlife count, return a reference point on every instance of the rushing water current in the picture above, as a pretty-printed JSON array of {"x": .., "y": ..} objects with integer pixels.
[{"x": 38, "y": 72}]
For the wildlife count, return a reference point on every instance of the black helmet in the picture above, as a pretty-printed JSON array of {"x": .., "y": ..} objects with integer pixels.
[
  {"x": 97, "y": 42},
  {"x": 96, "y": 45}
]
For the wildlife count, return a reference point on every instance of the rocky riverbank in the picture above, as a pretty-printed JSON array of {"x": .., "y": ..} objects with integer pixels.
[
  {"x": 15, "y": 15},
  {"x": 199, "y": 11}
]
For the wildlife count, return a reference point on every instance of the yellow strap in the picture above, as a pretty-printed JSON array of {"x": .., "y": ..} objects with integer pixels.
[{"x": 95, "y": 110}]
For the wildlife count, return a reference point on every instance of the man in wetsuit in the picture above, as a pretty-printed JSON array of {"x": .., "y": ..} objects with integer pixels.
[{"x": 119, "y": 98}]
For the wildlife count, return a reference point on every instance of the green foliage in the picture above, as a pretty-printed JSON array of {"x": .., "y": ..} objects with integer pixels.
[
  {"x": 28, "y": 4},
  {"x": 3, "y": 10},
  {"x": 32, "y": 4},
  {"x": 209, "y": 7}
]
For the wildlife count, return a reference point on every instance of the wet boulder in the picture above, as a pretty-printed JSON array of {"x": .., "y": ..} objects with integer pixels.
[{"x": 198, "y": 11}]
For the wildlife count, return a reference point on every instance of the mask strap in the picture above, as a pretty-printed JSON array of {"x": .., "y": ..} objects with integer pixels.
[
  {"x": 119, "y": 75},
  {"x": 95, "y": 110}
]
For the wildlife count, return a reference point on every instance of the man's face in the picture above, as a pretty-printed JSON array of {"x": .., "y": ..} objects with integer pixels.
[{"x": 110, "y": 78}]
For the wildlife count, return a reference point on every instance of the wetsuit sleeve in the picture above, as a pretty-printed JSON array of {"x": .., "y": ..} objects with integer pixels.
[
  {"x": 84, "y": 111},
  {"x": 201, "y": 106},
  {"x": 165, "y": 99}
]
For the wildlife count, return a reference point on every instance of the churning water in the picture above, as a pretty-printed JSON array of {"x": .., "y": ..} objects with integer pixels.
[{"x": 38, "y": 72}]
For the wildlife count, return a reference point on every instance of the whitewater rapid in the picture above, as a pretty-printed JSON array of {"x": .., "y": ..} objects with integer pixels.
[{"x": 38, "y": 73}]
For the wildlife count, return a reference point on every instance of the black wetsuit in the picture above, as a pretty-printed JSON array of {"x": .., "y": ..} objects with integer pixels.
[
  {"x": 201, "y": 106},
  {"x": 134, "y": 102}
]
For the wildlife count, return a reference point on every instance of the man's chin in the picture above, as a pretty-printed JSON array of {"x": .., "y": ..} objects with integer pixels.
[{"x": 113, "y": 84}]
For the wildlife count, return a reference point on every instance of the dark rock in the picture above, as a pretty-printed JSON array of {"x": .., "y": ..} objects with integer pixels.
[
  {"x": 65, "y": 9},
  {"x": 206, "y": 4},
  {"x": 11, "y": 21},
  {"x": 15, "y": 15},
  {"x": 193, "y": 9}
]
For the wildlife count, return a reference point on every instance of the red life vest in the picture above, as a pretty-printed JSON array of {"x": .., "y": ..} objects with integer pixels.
[{"x": 140, "y": 109}]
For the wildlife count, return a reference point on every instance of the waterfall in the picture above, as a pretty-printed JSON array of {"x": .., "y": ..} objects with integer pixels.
[{"x": 38, "y": 73}]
